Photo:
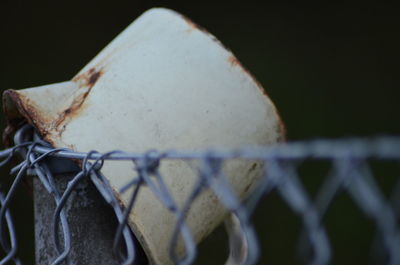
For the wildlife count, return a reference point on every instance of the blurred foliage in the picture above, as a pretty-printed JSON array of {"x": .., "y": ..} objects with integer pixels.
[{"x": 331, "y": 68}]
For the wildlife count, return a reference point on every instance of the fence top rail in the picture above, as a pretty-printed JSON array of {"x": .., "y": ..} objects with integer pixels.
[{"x": 384, "y": 147}]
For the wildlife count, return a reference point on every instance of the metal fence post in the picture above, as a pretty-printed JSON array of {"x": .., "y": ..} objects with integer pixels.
[{"x": 91, "y": 221}]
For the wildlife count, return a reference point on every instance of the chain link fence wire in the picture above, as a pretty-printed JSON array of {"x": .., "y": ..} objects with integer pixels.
[{"x": 350, "y": 173}]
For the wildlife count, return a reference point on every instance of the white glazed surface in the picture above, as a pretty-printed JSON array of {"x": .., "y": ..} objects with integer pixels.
[{"x": 161, "y": 84}]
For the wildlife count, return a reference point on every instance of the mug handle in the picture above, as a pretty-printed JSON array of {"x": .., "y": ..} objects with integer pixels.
[{"x": 238, "y": 245}]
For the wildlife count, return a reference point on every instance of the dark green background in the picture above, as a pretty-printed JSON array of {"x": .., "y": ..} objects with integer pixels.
[{"x": 331, "y": 69}]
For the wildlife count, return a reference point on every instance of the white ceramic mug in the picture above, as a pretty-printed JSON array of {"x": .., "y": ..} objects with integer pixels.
[{"x": 162, "y": 84}]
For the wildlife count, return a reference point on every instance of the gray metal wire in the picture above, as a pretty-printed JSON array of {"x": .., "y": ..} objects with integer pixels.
[{"x": 350, "y": 173}]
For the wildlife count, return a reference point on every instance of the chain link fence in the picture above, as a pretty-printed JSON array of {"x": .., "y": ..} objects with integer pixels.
[{"x": 349, "y": 173}]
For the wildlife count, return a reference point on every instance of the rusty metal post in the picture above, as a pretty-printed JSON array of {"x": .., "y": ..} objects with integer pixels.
[{"x": 91, "y": 221}]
